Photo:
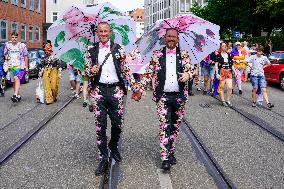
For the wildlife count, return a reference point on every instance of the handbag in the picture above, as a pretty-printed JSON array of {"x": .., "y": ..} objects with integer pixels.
[{"x": 40, "y": 92}]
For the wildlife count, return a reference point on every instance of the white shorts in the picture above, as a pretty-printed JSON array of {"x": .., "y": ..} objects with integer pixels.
[{"x": 73, "y": 76}]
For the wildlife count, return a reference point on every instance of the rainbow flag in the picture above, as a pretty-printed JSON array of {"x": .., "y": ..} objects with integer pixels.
[{"x": 216, "y": 86}]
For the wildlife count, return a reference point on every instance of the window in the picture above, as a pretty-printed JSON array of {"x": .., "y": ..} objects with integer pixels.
[
  {"x": 31, "y": 4},
  {"x": 23, "y": 3},
  {"x": 54, "y": 16},
  {"x": 23, "y": 32},
  {"x": 14, "y": 27},
  {"x": 31, "y": 33},
  {"x": 3, "y": 30},
  {"x": 37, "y": 34},
  {"x": 37, "y": 5},
  {"x": 187, "y": 6},
  {"x": 14, "y": 2},
  {"x": 182, "y": 6}
]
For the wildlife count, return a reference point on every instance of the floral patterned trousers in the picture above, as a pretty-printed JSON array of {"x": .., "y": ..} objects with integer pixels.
[
  {"x": 170, "y": 110},
  {"x": 108, "y": 101}
]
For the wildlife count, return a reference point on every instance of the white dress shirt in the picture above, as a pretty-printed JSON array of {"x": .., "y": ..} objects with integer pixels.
[
  {"x": 108, "y": 75},
  {"x": 171, "y": 83}
]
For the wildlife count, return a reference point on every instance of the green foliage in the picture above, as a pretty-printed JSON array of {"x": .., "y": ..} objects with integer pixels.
[{"x": 249, "y": 16}]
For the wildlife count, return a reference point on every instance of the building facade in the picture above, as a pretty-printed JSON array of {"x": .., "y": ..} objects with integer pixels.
[
  {"x": 162, "y": 9},
  {"x": 138, "y": 16},
  {"x": 26, "y": 17}
]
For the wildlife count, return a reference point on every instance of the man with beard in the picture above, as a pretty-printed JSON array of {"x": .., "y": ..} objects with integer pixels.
[{"x": 171, "y": 69}]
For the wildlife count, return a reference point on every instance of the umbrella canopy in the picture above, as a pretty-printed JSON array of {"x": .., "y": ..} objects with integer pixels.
[
  {"x": 74, "y": 31},
  {"x": 198, "y": 36}
]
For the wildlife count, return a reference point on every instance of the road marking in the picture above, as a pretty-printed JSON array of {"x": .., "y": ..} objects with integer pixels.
[{"x": 165, "y": 180}]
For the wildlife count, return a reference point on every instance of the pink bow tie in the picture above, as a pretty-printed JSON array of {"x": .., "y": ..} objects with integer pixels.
[
  {"x": 173, "y": 51},
  {"x": 101, "y": 45}
]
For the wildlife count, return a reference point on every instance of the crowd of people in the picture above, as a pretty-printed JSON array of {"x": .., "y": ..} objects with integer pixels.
[
  {"x": 232, "y": 65},
  {"x": 171, "y": 74}
]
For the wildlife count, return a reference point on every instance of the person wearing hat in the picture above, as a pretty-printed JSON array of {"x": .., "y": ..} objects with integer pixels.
[
  {"x": 238, "y": 54},
  {"x": 51, "y": 72}
]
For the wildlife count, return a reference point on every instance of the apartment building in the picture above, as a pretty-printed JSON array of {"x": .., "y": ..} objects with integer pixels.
[
  {"x": 26, "y": 17},
  {"x": 138, "y": 16},
  {"x": 162, "y": 9}
]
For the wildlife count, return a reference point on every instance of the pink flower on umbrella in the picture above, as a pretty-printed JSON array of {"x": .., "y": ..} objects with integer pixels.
[
  {"x": 75, "y": 18},
  {"x": 181, "y": 24}
]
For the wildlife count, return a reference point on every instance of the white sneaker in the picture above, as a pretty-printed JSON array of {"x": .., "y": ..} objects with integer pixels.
[{"x": 77, "y": 96}]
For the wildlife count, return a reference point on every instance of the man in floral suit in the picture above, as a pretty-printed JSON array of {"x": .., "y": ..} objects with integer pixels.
[
  {"x": 107, "y": 89},
  {"x": 170, "y": 68}
]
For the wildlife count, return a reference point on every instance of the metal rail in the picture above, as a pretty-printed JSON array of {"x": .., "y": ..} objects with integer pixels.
[
  {"x": 20, "y": 143},
  {"x": 214, "y": 169},
  {"x": 259, "y": 122}
]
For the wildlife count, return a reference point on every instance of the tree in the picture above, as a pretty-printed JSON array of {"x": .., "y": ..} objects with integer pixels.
[{"x": 249, "y": 16}]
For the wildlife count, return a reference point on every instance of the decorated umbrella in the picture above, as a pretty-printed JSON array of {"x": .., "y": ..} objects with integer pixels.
[
  {"x": 198, "y": 36},
  {"x": 135, "y": 62},
  {"x": 74, "y": 31}
]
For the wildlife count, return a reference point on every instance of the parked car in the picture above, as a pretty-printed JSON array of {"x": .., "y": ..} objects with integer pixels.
[
  {"x": 36, "y": 56},
  {"x": 274, "y": 73}
]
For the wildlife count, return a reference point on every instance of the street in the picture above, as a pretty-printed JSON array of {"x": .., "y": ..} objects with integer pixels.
[{"x": 63, "y": 154}]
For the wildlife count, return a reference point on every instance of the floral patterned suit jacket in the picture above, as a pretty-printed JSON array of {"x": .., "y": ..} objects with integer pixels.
[
  {"x": 157, "y": 72},
  {"x": 122, "y": 69}
]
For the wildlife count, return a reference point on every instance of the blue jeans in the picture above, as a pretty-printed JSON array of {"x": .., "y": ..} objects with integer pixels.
[
  {"x": 208, "y": 71},
  {"x": 258, "y": 81}
]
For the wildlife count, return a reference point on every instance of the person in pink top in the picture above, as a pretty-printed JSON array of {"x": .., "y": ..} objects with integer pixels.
[{"x": 16, "y": 56}]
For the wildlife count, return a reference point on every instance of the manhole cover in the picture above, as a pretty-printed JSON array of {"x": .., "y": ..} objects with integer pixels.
[{"x": 205, "y": 105}]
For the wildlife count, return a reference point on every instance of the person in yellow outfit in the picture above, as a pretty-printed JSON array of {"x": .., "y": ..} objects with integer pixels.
[
  {"x": 238, "y": 54},
  {"x": 51, "y": 72}
]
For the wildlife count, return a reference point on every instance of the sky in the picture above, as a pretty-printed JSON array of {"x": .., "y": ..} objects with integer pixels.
[{"x": 125, "y": 5}]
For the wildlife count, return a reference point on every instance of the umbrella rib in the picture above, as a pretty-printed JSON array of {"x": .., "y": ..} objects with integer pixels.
[{"x": 191, "y": 49}]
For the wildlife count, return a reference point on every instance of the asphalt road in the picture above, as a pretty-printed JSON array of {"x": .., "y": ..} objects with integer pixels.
[{"x": 64, "y": 154}]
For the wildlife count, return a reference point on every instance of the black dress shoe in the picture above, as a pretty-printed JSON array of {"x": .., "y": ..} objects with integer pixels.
[
  {"x": 240, "y": 92},
  {"x": 115, "y": 154},
  {"x": 166, "y": 165},
  {"x": 102, "y": 167},
  {"x": 172, "y": 160}
]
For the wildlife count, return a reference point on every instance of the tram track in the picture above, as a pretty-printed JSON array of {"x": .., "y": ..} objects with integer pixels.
[
  {"x": 258, "y": 122},
  {"x": 263, "y": 108},
  {"x": 28, "y": 136},
  {"x": 19, "y": 117},
  {"x": 220, "y": 178}
]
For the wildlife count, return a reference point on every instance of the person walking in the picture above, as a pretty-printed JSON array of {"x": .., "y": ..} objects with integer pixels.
[
  {"x": 16, "y": 55},
  {"x": 224, "y": 70},
  {"x": 2, "y": 75},
  {"x": 107, "y": 73},
  {"x": 51, "y": 72},
  {"x": 170, "y": 68},
  {"x": 238, "y": 54},
  {"x": 257, "y": 76}
]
